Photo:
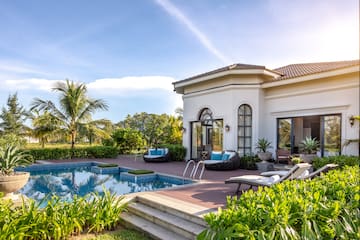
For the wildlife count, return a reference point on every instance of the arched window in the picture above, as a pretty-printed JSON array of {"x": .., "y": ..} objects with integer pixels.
[
  {"x": 205, "y": 117},
  {"x": 244, "y": 130}
]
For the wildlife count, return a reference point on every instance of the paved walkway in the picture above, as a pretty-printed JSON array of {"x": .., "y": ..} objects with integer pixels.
[{"x": 211, "y": 191}]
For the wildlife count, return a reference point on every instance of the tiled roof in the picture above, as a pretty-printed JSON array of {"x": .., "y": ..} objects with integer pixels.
[
  {"x": 223, "y": 69},
  {"x": 302, "y": 69}
]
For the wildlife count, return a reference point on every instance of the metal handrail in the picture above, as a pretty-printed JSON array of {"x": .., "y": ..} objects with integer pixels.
[
  {"x": 194, "y": 169},
  {"x": 187, "y": 166}
]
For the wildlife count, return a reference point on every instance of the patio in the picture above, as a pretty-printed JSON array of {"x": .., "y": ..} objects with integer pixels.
[{"x": 211, "y": 191}]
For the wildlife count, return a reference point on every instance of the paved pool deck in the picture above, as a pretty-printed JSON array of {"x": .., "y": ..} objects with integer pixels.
[{"x": 210, "y": 192}]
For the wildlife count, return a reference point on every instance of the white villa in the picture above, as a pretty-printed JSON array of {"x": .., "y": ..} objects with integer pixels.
[{"x": 232, "y": 107}]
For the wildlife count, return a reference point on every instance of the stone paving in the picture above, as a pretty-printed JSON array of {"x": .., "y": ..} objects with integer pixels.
[{"x": 210, "y": 192}]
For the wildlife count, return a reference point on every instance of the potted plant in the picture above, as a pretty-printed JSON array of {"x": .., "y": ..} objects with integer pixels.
[
  {"x": 11, "y": 180},
  {"x": 309, "y": 147},
  {"x": 263, "y": 146}
]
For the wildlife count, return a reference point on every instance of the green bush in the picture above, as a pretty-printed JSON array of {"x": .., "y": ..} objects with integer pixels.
[
  {"x": 326, "y": 207},
  {"x": 126, "y": 140},
  {"x": 340, "y": 160},
  {"x": 248, "y": 162},
  {"x": 140, "y": 171},
  {"x": 177, "y": 152},
  {"x": 67, "y": 153},
  {"x": 60, "y": 220}
]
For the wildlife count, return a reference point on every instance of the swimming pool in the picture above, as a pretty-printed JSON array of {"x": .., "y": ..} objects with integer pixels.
[{"x": 69, "y": 179}]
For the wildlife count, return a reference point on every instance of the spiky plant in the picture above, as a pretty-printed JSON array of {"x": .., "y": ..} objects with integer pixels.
[{"x": 11, "y": 157}]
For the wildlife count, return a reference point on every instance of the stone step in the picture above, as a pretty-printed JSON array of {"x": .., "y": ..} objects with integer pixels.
[
  {"x": 153, "y": 230},
  {"x": 167, "y": 220},
  {"x": 190, "y": 212}
]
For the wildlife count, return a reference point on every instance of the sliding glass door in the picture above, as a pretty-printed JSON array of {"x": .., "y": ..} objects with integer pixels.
[{"x": 324, "y": 128}]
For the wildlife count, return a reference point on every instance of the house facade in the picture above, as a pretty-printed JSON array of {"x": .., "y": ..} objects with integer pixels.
[{"x": 232, "y": 107}]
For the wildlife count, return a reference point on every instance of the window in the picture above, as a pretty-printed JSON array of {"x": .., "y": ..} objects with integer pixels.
[{"x": 244, "y": 130}]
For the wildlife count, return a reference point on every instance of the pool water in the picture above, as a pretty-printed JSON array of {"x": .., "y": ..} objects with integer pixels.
[{"x": 71, "y": 180}]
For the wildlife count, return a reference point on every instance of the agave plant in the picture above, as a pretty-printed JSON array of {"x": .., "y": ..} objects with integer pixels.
[
  {"x": 309, "y": 145},
  {"x": 11, "y": 157},
  {"x": 263, "y": 144}
]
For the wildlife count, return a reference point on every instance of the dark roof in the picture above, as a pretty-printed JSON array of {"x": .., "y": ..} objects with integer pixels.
[
  {"x": 223, "y": 69},
  {"x": 302, "y": 69}
]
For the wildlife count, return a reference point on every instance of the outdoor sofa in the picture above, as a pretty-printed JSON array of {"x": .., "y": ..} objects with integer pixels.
[
  {"x": 257, "y": 180},
  {"x": 157, "y": 155},
  {"x": 226, "y": 160}
]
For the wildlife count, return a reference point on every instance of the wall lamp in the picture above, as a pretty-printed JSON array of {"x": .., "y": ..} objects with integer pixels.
[
  {"x": 183, "y": 129},
  {"x": 352, "y": 121},
  {"x": 227, "y": 127}
]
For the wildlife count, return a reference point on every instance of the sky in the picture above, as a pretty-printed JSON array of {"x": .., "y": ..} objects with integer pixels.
[{"x": 128, "y": 52}]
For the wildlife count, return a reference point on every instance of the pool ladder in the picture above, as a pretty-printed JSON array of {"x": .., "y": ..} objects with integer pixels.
[{"x": 194, "y": 169}]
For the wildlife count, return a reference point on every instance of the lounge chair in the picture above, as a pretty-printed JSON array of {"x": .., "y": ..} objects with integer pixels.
[
  {"x": 306, "y": 175},
  {"x": 226, "y": 160},
  {"x": 157, "y": 155},
  {"x": 256, "y": 180},
  {"x": 323, "y": 169}
]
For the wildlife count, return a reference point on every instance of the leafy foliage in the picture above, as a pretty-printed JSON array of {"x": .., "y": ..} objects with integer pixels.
[
  {"x": 326, "y": 207},
  {"x": 13, "y": 117},
  {"x": 11, "y": 157},
  {"x": 177, "y": 152},
  {"x": 140, "y": 171},
  {"x": 155, "y": 129},
  {"x": 341, "y": 160},
  {"x": 66, "y": 153},
  {"x": 126, "y": 140},
  {"x": 12, "y": 139},
  {"x": 249, "y": 162},
  {"x": 59, "y": 220},
  {"x": 75, "y": 108}
]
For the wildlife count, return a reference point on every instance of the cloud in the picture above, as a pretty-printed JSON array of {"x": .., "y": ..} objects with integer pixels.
[
  {"x": 30, "y": 84},
  {"x": 20, "y": 68},
  {"x": 204, "y": 40},
  {"x": 132, "y": 83}
]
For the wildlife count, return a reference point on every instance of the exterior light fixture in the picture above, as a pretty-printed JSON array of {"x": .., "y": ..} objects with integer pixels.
[
  {"x": 183, "y": 130},
  {"x": 352, "y": 121},
  {"x": 227, "y": 127}
]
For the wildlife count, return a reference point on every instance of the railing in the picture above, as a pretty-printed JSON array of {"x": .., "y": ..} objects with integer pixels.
[{"x": 194, "y": 169}]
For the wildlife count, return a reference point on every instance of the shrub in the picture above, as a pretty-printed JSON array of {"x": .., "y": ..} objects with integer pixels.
[
  {"x": 126, "y": 140},
  {"x": 67, "y": 153},
  {"x": 326, "y": 207},
  {"x": 248, "y": 162},
  {"x": 177, "y": 152},
  {"x": 340, "y": 160},
  {"x": 60, "y": 220}
]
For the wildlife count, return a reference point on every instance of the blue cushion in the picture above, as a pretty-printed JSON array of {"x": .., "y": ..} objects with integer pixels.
[
  {"x": 160, "y": 152},
  {"x": 216, "y": 156},
  {"x": 225, "y": 157},
  {"x": 153, "y": 152}
]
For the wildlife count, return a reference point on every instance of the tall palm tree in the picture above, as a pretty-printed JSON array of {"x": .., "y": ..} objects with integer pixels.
[{"x": 75, "y": 109}]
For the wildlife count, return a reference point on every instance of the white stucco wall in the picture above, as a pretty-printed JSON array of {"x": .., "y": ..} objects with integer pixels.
[{"x": 335, "y": 95}]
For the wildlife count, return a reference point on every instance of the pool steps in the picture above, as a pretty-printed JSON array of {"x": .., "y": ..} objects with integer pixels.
[{"x": 164, "y": 217}]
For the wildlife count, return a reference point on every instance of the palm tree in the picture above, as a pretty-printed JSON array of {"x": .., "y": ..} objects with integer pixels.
[
  {"x": 75, "y": 109},
  {"x": 95, "y": 130}
]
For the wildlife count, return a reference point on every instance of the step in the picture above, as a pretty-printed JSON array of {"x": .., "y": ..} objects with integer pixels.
[
  {"x": 191, "y": 212},
  {"x": 153, "y": 230},
  {"x": 169, "y": 221}
]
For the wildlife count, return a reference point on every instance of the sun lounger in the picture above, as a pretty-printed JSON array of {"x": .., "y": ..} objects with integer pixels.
[
  {"x": 256, "y": 180},
  {"x": 321, "y": 170}
]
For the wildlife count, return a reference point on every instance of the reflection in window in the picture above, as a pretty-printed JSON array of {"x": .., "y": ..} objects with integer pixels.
[
  {"x": 332, "y": 135},
  {"x": 284, "y": 131},
  {"x": 244, "y": 130}
]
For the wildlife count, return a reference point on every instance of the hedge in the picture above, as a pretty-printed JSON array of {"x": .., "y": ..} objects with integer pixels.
[
  {"x": 341, "y": 160},
  {"x": 177, "y": 152},
  {"x": 326, "y": 207},
  {"x": 67, "y": 153}
]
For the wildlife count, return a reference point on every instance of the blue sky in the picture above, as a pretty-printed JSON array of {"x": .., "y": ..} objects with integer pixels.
[{"x": 129, "y": 52}]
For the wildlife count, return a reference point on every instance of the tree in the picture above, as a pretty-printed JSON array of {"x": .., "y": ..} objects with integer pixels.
[
  {"x": 96, "y": 130},
  {"x": 127, "y": 139},
  {"x": 13, "y": 117},
  {"x": 75, "y": 109},
  {"x": 45, "y": 127}
]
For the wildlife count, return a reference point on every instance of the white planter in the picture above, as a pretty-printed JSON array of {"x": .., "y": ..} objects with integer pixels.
[{"x": 264, "y": 156}]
